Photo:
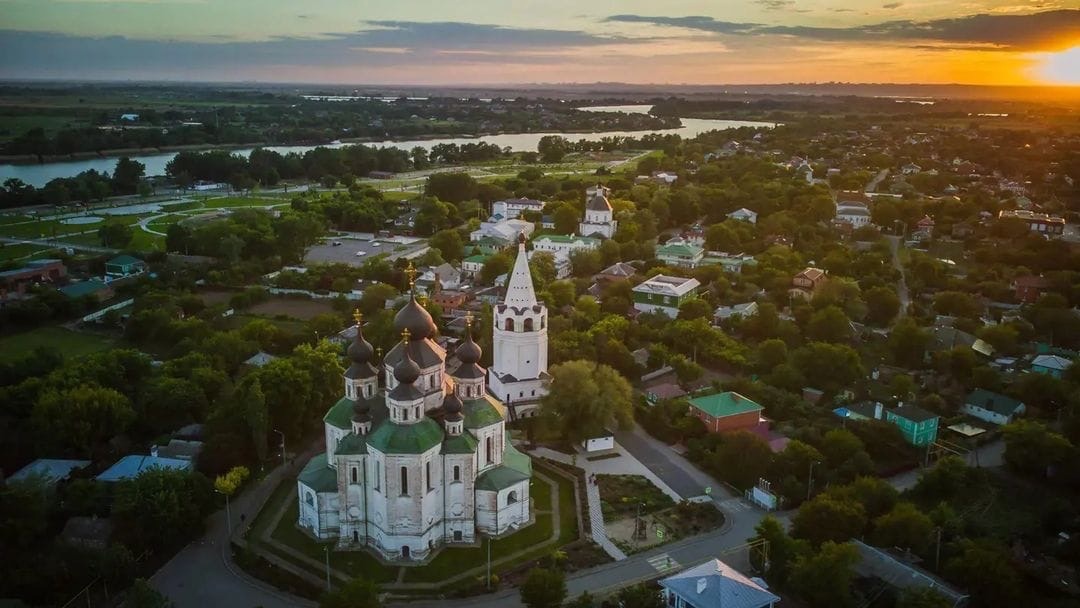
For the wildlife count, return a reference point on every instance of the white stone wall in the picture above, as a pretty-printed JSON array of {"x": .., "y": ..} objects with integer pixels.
[
  {"x": 522, "y": 354},
  {"x": 667, "y": 310},
  {"x": 495, "y": 515},
  {"x": 333, "y": 436}
]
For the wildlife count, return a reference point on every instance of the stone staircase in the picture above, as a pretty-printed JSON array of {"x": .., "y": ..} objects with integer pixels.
[{"x": 596, "y": 519}]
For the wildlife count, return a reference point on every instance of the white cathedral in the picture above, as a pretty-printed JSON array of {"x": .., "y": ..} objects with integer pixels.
[
  {"x": 599, "y": 216},
  {"x": 426, "y": 462}
]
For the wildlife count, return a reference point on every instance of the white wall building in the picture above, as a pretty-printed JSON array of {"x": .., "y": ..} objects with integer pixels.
[
  {"x": 422, "y": 464},
  {"x": 664, "y": 294},
  {"x": 504, "y": 231},
  {"x": 519, "y": 370},
  {"x": 855, "y": 213},
  {"x": 513, "y": 208},
  {"x": 557, "y": 243},
  {"x": 744, "y": 215},
  {"x": 599, "y": 217}
]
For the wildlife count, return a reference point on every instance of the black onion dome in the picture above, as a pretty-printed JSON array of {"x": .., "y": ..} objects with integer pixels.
[
  {"x": 469, "y": 351},
  {"x": 361, "y": 410},
  {"x": 452, "y": 403},
  {"x": 414, "y": 318},
  {"x": 360, "y": 351},
  {"x": 406, "y": 371}
]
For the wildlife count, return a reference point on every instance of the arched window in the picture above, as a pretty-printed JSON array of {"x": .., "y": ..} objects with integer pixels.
[
  {"x": 490, "y": 450},
  {"x": 311, "y": 499},
  {"x": 511, "y": 498},
  {"x": 528, "y": 325},
  {"x": 378, "y": 475},
  {"x": 427, "y": 474},
  {"x": 542, "y": 320},
  {"x": 418, "y": 412},
  {"x": 404, "y": 414},
  {"x": 457, "y": 473},
  {"x": 404, "y": 481},
  {"x": 354, "y": 474},
  {"x": 509, "y": 325}
]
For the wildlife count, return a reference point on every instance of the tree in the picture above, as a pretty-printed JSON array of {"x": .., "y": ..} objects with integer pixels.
[
  {"x": 904, "y": 526},
  {"x": 983, "y": 568},
  {"x": 742, "y": 458},
  {"x": 451, "y": 187},
  {"x": 24, "y": 513},
  {"x": 825, "y": 518},
  {"x": 1033, "y": 449},
  {"x": 162, "y": 508},
  {"x": 831, "y": 366},
  {"x": 957, "y": 303},
  {"x": 83, "y": 416},
  {"x": 251, "y": 398},
  {"x": 565, "y": 218},
  {"x": 695, "y": 309},
  {"x": 495, "y": 266},
  {"x": 127, "y": 175},
  {"x": 449, "y": 243},
  {"x": 230, "y": 482},
  {"x": 829, "y": 324},
  {"x": 584, "y": 399},
  {"x": 922, "y": 597},
  {"x": 825, "y": 578},
  {"x": 552, "y": 148},
  {"x": 544, "y": 588},
  {"x": 782, "y": 549},
  {"x": 357, "y": 593},
  {"x": 908, "y": 341},
  {"x": 882, "y": 305},
  {"x": 114, "y": 234},
  {"x": 845, "y": 455},
  {"x": 642, "y": 595},
  {"x": 143, "y": 595},
  {"x": 769, "y": 354}
]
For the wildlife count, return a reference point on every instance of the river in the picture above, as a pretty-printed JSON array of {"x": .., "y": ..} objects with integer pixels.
[{"x": 39, "y": 175}]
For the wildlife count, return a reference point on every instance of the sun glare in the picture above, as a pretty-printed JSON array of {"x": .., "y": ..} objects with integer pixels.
[{"x": 1063, "y": 67}]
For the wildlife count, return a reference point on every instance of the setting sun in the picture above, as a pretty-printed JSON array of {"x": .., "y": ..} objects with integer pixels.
[{"x": 1063, "y": 67}]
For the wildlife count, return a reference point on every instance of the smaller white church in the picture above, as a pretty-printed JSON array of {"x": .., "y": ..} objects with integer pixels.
[{"x": 599, "y": 216}]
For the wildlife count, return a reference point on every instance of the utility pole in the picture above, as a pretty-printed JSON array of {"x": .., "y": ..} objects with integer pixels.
[
  {"x": 489, "y": 563},
  {"x": 810, "y": 481},
  {"x": 326, "y": 550},
  {"x": 228, "y": 512},
  {"x": 937, "y": 552}
]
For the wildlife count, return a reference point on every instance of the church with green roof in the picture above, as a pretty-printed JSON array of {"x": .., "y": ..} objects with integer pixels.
[{"x": 416, "y": 458}]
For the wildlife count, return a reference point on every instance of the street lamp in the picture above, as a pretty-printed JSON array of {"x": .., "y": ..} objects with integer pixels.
[
  {"x": 326, "y": 550},
  {"x": 228, "y": 511},
  {"x": 810, "y": 481},
  {"x": 282, "y": 446}
]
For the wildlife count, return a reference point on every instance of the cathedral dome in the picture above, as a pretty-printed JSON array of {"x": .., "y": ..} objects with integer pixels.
[
  {"x": 417, "y": 320},
  {"x": 598, "y": 202},
  {"x": 406, "y": 371},
  {"x": 452, "y": 405},
  {"x": 360, "y": 351},
  {"x": 361, "y": 410},
  {"x": 469, "y": 351}
]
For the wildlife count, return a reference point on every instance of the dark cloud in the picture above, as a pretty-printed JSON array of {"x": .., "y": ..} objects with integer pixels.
[
  {"x": 1033, "y": 31},
  {"x": 892, "y": 5},
  {"x": 775, "y": 5}
]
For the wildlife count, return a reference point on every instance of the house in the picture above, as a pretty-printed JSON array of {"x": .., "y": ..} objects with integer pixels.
[
  {"x": 1039, "y": 223},
  {"x": 663, "y": 392},
  {"x": 902, "y": 575},
  {"x": 663, "y": 178},
  {"x": 924, "y": 229},
  {"x": 855, "y": 214},
  {"x": 445, "y": 275},
  {"x": 123, "y": 266},
  {"x": 132, "y": 465},
  {"x": 680, "y": 253},
  {"x": 715, "y": 584},
  {"x": 1051, "y": 365},
  {"x": 449, "y": 301},
  {"x": 910, "y": 169},
  {"x": 130, "y": 117},
  {"x": 503, "y": 231},
  {"x": 565, "y": 245},
  {"x": 14, "y": 283},
  {"x": 991, "y": 407},
  {"x": 1028, "y": 288},
  {"x": 473, "y": 264},
  {"x": 918, "y": 426},
  {"x": 743, "y": 311},
  {"x": 807, "y": 283},
  {"x": 261, "y": 358},
  {"x": 513, "y": 208},
  {"x": 732, "y": 263},
  {"x": 728, "y": 411},
  {"x": 744, "y": 215},
  {"x": 49, "y": 470},
  {"x": 89, "y": 287},
  {"x": 619, "y": 271},
  {"x": 179, "y": 449},
  {"x": 664, "y": 294}
]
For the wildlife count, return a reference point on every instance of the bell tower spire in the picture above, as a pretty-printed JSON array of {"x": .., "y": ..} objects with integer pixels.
[{"x": 519, "y": 290}]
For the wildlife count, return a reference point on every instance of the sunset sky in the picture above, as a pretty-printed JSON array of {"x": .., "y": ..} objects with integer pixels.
[{"x": 526, "y": 41}]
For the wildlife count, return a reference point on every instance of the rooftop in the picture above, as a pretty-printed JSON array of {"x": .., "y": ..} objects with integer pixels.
[
  {"x": 715, "y": 583},
  {"x": 720, "y": 405},
  {"x": 133, "y": 465},
  {"x": 989, "y": 400},
  {"x": 669, "y": 285}
]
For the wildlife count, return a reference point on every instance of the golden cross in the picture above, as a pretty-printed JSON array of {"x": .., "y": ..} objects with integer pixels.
[
  {"x": 357, "y": 316},
  {"x": 410, "y": 272},
  {"x": 405, "y": 335},
  {"x": 468, "y": 319}
]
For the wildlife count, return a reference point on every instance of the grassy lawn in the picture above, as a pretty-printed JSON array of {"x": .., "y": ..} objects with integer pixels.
[
  {"x": 620, "y": 496},
  {"x": 170, "y": 207},
  {"x": 13, "y": 126},
  {"x": 353, "y": 562},
  {"x": 163, "y": 222},
  {"x": 239, "y": 201},
  {"x": 70, "y": 343},
  {"x": 12, "y": 251}
]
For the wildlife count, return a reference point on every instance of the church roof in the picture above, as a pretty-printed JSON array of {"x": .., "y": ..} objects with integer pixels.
[
  {"x": 318, "y": 476},
  {"x": 468, "y": 371},
  {"x": 424, "y": 352},
  {"x": 352, "y": 444},
  {"x": 405, "y": 392},
  {"x": 358, "y": 371},
  {"x": 598, "y": 202},
  {"x": 416, "y": 438},
  {"x": 516, "y": 467},
  {"x": 483, "y": 412},
  {"x": 464, "y": 443},
  {"x": 341, "y": 413},
  {"x": 519, "y": 290}
]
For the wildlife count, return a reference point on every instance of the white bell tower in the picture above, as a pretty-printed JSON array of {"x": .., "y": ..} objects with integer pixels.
[{"x": 518, "y": 373}]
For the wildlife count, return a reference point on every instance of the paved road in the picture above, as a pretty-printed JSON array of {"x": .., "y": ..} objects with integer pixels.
[
  {"x": 901, "y": 285},
  {"x": 676, "y": 471},
  {"x": 881, "y": 175}
]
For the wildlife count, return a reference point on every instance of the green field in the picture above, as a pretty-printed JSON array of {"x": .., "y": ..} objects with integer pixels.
[
  {"x": 13, "y": 251},
  {"x": 14, "y": 126},
  {"x": 241, "y": 201},
  {"x": 70, "y": 343}
]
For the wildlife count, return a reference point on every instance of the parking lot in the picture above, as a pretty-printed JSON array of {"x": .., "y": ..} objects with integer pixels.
[{"x": 356, "y": 251}]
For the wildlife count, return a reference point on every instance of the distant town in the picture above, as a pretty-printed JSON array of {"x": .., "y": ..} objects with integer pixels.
[{"x": 756, "y": 350}]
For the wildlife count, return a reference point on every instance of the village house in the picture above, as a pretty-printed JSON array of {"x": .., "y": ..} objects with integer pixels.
[
  {"x": 514, "y": 207},
  {"x": 715, "y": 584},
  {"x": 502, "y": 231},
  {"x": 473, "y": 264},
  {"x": 743, "y": 215},
  {"x": 924, "y": 229},
  {"x": 664, "y": 294},
  {"x": 727, "y": 411},
  {"x": 1040, "y": 223},
  {"x": 619, "y": 271},
  {"x": 1050, "y": 365},
  {"x": 564, "y": 244},
  {"x": 680, "y": 253},
  {"x": 806, "y": 284},
  {"x": 743, "y": 311},
  {"x": 123, "y": 266},
  {"x": 991, "y": 407},
  {"x": 1028, "y": 288},
  {"x": 14, "y": 283}
]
